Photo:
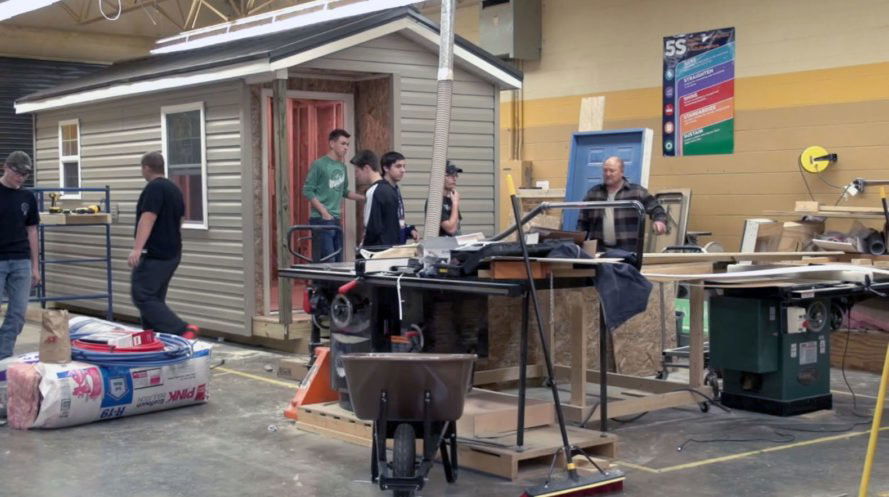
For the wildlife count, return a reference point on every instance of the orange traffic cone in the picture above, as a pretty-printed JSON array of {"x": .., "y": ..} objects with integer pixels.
[{"x": 315, "y": 387}]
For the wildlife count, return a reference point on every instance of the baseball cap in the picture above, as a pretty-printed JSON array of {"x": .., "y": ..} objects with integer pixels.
[
  {"x": 19, "y": 162},
  {"x": 451, "y": 169}
]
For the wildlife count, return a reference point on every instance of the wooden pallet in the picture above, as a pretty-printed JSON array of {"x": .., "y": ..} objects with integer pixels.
[
  {"x": 497, "y": 456},
  {"x": 331, "y": 420}
]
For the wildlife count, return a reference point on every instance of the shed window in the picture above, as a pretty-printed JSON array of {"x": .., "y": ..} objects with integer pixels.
[
  {"x": 69, "y": 156},
  {"x": 183, "y": 144}
]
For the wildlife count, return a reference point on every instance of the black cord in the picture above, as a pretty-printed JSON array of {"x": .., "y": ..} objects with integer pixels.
[
  {"x": 787, "y": 439},
  {"x": 802, "y": 175},
  {"x": 588, "y": 416},
  {"x": 819, "y": 176},
  {"x": 706, "y": 397},
  {"x": 843, "y": 369},
  {"x": 842, "y": 195},
  {"x": 630, "y": 420}
]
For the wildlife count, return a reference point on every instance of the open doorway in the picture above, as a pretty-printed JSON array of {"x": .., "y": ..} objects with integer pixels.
[{"x": 310, "y": 117}]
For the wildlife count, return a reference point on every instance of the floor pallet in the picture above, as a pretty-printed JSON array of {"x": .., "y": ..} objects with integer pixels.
[{"x": 496, "y": 455}]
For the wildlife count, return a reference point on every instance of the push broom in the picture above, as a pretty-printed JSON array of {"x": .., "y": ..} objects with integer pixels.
[{"x": 573, "y": 484}]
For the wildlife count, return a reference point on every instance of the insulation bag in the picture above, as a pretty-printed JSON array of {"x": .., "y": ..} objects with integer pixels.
[
  {"x": 4, "y": 367},
  {"x": 78, "y": 393}
]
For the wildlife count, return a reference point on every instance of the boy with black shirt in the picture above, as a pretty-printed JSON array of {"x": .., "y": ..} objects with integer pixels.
[
  {"x": 18, "y": 247},
  {"x": 450, "y": 205},
  {"x": 158, "y": 249},
  {"x": 381, "y": 227},
  {"x": 394, "y": 166}
]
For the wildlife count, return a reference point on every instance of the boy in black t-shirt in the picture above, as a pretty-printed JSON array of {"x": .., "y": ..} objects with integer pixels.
[
  {"x": 18, "y": 247},
  {"x": 450, "y": 204},
  {"x": 157, "y": 249},
  {"x": 381, "y": 226}
]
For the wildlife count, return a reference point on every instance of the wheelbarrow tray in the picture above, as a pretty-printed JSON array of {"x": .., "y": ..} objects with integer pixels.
[{"x": 405, "y": 377}]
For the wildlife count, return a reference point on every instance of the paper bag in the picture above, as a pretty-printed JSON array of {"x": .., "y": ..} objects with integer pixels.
[{"x": 55, "y": 344}]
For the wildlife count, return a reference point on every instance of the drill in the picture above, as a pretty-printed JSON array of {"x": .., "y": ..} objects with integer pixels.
[{"x": 53, "y": 208}]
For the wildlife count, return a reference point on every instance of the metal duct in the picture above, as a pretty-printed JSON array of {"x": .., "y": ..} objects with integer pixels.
[{"x": 442, "y": 120}]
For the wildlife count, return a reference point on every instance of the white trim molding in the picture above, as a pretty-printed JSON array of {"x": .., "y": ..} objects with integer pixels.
[
  {"x": 142, "y": 87},
  {"x": 263, "y": 67},
  {"x": 204, "y": 223},
  {"x": 70, "y": 158}
]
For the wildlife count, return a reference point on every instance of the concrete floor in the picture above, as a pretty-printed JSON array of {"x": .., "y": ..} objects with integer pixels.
[{"x": 239, "y": 444}]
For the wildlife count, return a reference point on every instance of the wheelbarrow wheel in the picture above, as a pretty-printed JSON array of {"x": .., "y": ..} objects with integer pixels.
[{"x": 404, "y": 455}]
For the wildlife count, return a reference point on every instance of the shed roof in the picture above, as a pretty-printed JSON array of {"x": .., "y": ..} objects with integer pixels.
[{"x": 257, "y": 55}]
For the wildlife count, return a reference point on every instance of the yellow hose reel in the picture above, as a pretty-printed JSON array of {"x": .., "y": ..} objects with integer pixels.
[{"x": 815, "y": 159}]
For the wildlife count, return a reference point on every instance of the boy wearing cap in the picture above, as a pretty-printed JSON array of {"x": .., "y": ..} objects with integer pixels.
[
  {"x": 18, "y": 246},
  {"x": 450, "y": 205}
]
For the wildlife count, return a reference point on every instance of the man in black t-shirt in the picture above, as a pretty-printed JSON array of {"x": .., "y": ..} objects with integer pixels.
[
  {"x": 450, "y": 204},
  {"x": 158, "y": 249},
  {"x": 18, "y": 247},
  {"x": 381, "y": 225}
]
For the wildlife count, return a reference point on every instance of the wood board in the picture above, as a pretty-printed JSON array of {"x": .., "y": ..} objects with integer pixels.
[
  {"x": 841, "y": 215},
  {"x": 487, "y": 413},
  {"x": 808, "y": 207},
  {"x": 75, "y": 219},
  {"x": 866, "y": 349},
  {"x": 662, "y": 258},
  {"x": 827, "y": 271}
]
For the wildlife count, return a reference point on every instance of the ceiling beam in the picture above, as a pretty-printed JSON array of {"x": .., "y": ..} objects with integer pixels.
[
  {"x": 70, "y": 11},
  {"x": 215, "y": 10},
  {"x": 163, "y": 12},
  {"x": 261, "y": 7},
  {"x": 124, "y": 10},
  {"x": 76, "y": 46}
]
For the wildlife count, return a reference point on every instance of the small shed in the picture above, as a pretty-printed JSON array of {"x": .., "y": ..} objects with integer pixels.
[{"x": 208, "y": 107}]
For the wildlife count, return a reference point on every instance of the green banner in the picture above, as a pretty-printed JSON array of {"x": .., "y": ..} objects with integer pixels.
[{"x": 710, "y": 140}]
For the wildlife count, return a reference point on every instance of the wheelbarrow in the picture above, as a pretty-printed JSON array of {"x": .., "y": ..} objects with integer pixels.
[{"x": 410, "y": 396}]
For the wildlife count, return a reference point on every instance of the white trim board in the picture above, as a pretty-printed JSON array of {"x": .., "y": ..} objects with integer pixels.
[
  {"x": 829, "y": 270},
  {"x": 204, "y": 224},
  {"x": 142, "y": 87},
  {"x": 349, "y": 125},
  {"x": 70, "y": 158},
  {"x": 264, "y": 66}
]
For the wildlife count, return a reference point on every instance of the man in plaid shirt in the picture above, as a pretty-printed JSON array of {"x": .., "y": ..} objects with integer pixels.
[{"x": 617, "y": 228}]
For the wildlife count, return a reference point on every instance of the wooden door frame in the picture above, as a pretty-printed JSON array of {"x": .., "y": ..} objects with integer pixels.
[{"x": 349, "y": 125}]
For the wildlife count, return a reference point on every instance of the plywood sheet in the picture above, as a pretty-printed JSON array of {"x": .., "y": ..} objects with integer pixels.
[{"x": 864, "y": 350}]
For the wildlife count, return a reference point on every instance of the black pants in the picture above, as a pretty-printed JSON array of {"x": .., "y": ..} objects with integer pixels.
[{"x": 149, "y": 283}]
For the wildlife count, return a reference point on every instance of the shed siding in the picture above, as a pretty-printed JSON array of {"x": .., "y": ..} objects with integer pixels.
[
  {"x": 472, "y": 140},
  {"x": 208, "y": 288}
]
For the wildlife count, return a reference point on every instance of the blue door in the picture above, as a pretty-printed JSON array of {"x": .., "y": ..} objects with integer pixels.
[{"x": 589, "y": 149}]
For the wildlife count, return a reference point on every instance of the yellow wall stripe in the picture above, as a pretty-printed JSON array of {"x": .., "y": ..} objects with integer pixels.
[{"x": 828, "y": 86}]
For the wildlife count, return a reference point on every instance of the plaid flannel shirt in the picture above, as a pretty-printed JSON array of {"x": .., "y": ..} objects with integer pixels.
[{"x": 625, "y": 220}]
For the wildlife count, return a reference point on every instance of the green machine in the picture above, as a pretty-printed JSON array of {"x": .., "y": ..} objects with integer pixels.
[{"x": 773, "y": 350}]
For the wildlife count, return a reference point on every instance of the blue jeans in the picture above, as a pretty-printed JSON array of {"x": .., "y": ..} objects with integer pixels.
[
  {"x": 15, "y": 284},
  {"x": 326, "y": 242}
]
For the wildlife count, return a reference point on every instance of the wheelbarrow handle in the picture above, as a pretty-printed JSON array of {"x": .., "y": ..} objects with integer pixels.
[{"x": 312, "y": 228}]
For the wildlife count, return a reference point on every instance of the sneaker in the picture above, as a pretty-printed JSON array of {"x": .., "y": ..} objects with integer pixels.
[{"x": 191, "y": 332}]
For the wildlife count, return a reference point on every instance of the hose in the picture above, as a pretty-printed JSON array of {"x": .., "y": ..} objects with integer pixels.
[{"x": 176, "y": 349}]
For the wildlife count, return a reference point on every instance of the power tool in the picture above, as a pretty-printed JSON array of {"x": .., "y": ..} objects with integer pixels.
[
  {"x": 53, "y": 208},
  {"x": 88, "y": 209}
]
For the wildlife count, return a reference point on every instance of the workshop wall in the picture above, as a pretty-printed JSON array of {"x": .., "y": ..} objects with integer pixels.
[{"x": 808, "y": 72}]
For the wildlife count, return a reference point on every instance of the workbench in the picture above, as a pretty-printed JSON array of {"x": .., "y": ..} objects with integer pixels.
[{"x": 572, "y": 273}]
